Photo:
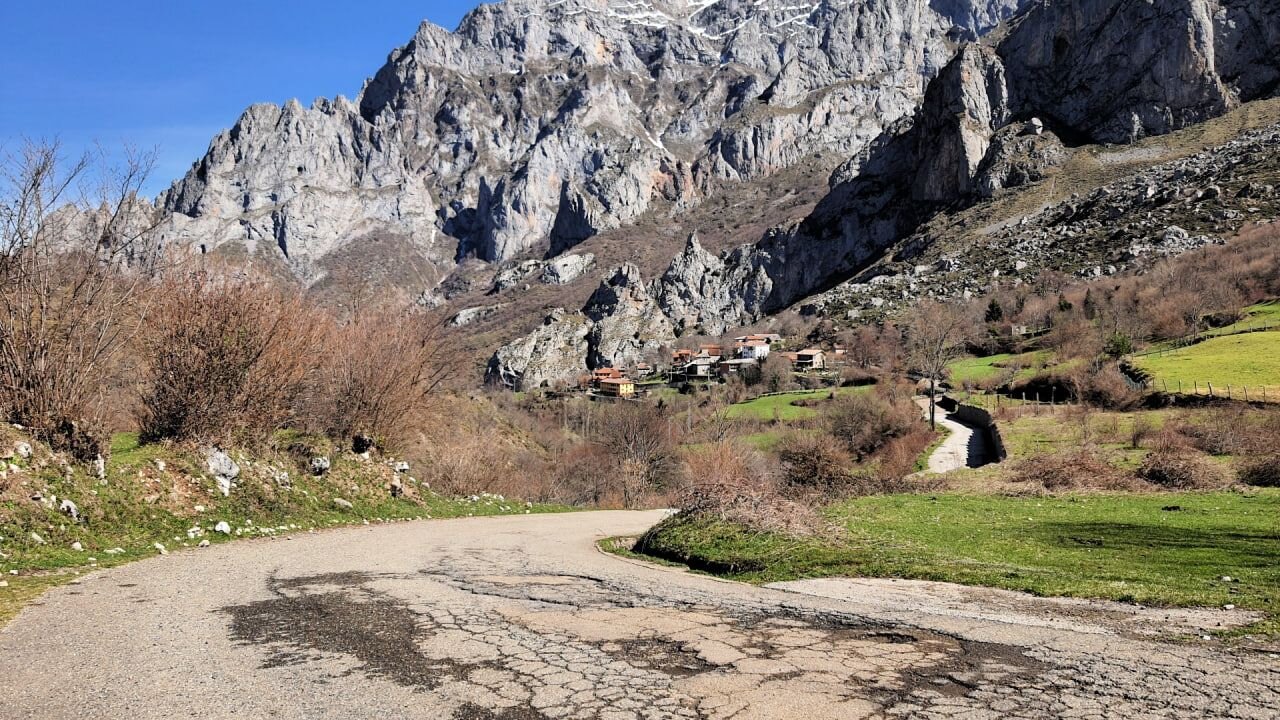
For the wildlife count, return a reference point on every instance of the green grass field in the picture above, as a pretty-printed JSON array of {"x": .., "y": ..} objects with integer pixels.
[
  {"x": 779, "y": 406},
  {"x": 1116, "y": 546},
  {"x": 985, "y": 368},
  {"x": 1239, "y": 361}
]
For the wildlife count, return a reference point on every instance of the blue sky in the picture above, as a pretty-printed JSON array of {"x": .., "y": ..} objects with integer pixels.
[{"x": 169, "y": 75}]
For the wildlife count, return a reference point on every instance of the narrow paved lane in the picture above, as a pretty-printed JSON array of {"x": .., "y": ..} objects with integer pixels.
[
  {"x": 963, "y": 447},
  {"x": 523, "y": 618}
]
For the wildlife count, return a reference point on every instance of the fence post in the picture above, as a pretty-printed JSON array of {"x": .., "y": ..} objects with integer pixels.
[{"x": 1246, "y": 393}]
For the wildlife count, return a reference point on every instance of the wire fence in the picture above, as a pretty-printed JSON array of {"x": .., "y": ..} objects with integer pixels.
[
  {"x": 1189, "y": 340},
  {"x": 1207, "y": 389}
]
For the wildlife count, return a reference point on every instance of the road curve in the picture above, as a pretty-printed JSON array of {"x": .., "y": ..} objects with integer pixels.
[{"x": 520, "y": 618}]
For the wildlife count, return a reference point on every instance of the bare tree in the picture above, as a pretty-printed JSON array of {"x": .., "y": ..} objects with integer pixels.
[
  {"x": 639, "y": 441},
  {"x": 75, "y": 261},
  {"x": 936, "y": 334}
]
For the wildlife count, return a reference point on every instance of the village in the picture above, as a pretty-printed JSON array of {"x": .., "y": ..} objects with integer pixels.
[{"x": 708, "y": 363}]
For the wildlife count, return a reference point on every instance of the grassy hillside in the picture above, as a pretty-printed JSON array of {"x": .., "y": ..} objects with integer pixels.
[
  {"x": 783, "y": 407},
  {"x": 1240, "y": 361}
]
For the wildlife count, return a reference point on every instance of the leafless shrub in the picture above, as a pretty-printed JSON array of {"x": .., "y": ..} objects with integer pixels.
[
  {"x": 1181, "y": 469},
  {"x": 814, "y": 462},
  {"x": 1077, "y": 469},
  {"x": 73, "y": 267},
  {"x": 1103, "y": 386},
  {"x": 228, "y": 363},
  {"x": 1140, "y": 430},
  {"x": 866, "y": 422},
  {"x": 641, "y": 444},
  {"x": 378, "y": 371},
  {"x": 735, "y": 483},
  {"x": 1261, "y": 471}
]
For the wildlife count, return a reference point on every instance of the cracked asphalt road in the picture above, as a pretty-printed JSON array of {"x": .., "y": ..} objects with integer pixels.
[{"x": 522, "y": 618}]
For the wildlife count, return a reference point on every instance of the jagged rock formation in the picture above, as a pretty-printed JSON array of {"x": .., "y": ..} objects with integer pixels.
[
  {"x": 1164, "y": 210},
  {"x": 997, "y": 116},
  {"x": 619, "y": 324},
  {"x": 1093, "y": 71},
  {"x": 559, "y": 271},
  {"x": 539, "y": 123}
]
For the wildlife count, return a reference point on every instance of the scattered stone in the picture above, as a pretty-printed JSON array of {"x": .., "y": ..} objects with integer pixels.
[
  {"x": 69, "y": 509},
  {"x": 100, "y": 468},
  {"x": 23, "y": 450},
  {"x": 35, "y": 537},
  {"x": 160, "y": 465},
  {"x": 345, "y": 505},
  {"x": 160, "y": 548},
  {"x": 319, "y": 465},
  {"x": 224, "y": 470},
  {"x": 223, "y": 527},
  {"x": 402, "y": 467},
  {"x": 77, "y": 547},
  {"x": 4, "y": 583},
  {"x": 203, "y": 543}
]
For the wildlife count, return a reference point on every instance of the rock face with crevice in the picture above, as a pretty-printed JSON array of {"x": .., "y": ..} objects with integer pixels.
[
  {"x": 995, "y": 118},
  {"x": 998, "y": 115}
]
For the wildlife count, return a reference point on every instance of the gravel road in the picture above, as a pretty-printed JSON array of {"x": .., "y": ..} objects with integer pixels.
[{"x": 520, "y": 618}]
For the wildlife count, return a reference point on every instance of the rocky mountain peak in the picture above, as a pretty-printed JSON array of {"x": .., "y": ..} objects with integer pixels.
[{"x": 537, "y": 124}]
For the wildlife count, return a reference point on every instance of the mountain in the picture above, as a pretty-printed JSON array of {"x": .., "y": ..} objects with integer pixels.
[
  {"x": 564, "y": 154},
  {"x": 1003, "y": 113},
  {"x": 540, "y": 123}
]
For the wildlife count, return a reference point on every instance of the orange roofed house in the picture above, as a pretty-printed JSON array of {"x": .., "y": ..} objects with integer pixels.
[{"x": 618, "y": 387}]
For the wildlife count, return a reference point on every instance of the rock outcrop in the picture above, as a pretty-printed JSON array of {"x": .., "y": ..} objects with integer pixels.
[{"x": 621, "y": 323}]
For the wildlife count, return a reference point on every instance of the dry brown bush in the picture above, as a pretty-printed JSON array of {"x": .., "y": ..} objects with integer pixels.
[
  {"x": 641, "y": 444},
  {"x": 582, "y": 476},
  {"x": 1231, "y": 430},
  {"x": 814, "y": 462},
  {"x": 898, "y": 458},
  {"x": 1103, "y": 386},
  {"x": 228, "y": 362},
  {"x": 1181, "y": 469},
  {"x": 1261, "y": 471},
  {"x": 378, "y": 371},
  {"x": 866, "y": 422},
  {"x": 1077, "y": 469},
  {"x": 735, "y": 483},
  {"x": 73, "y": 267}
]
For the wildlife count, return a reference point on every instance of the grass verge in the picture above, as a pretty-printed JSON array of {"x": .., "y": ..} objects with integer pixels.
[
  {"x": 1155, "y": 549},
  {"x": 162, "y": 494}
]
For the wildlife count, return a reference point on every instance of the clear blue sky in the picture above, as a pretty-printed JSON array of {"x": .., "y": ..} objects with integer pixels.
[{"x": 169, "y": 75}]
